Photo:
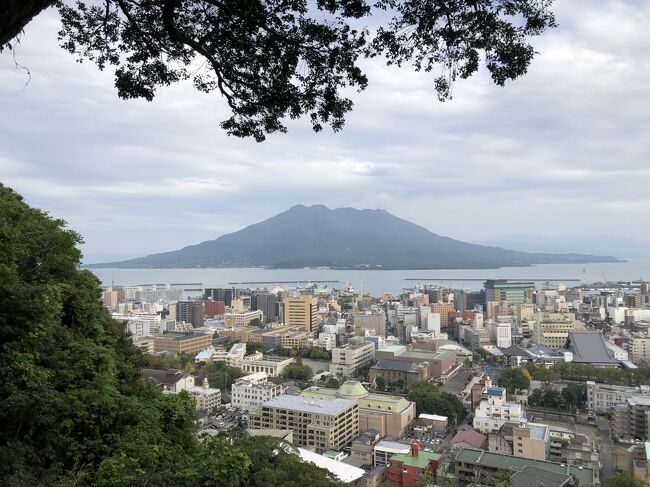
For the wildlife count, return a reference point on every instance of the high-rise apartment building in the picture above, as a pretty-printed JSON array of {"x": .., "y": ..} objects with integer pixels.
[
  {"x": 443, "y": 309},
  {"x": 301, "y": 311},
  {"x": 267, "y": 303},
  {"x": 190, "y": 312}
]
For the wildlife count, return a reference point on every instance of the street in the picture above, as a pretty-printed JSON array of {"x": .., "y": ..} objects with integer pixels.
[{"x": 606, "y": 453}]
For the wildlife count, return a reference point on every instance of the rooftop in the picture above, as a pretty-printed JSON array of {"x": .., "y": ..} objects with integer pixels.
[
  {"x": 589, "y": 347},
  {"x": 391, "y": 348},
  {"x": 400, "y": 365},
  {"x": 346, "y": 473},
  {"x": 311, "y": 404},
  {"x": 539, "y": 477},
  {"x": 375, "y": 402},
  {"x": 166, "y": 377},
  {"x": 420, "y": 461},
  {"x": 508, "y": 462}
]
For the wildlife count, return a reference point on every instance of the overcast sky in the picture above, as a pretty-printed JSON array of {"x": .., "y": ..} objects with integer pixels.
[{"x": 566, "y": 149}]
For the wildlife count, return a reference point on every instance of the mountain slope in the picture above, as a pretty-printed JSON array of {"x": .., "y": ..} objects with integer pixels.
[{"x": 343, "y": 238}]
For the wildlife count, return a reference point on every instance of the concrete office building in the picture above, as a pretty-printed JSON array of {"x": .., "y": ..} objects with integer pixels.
[
  {"x": 270, "y": 364},
  {"x": 443, "y": 309},
  {"x": 246, "y": 318},
  {"x": 370, "y": 320},
  {"x": 321, "y": 424},
  {"x": 601, "y": 398},
  {"x": 552, "y": 329},
  {"x": 190, "y": 312},
  {"x": 632, "y": 419},
  {"x": 385, "y": 414},
  {"x": 176, "y": 343},
  {"x": 347, "y": 359},
  {"x": 267, "y": 303},
  {"x": 301, "y": 311},
  {"x": 252, "y": 390}
]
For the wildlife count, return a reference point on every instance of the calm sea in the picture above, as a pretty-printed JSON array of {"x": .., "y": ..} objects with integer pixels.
[{"x": 377, "y": 282}]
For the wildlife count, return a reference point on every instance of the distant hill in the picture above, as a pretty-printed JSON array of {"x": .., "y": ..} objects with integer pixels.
[
  {"x": 347, "y": 238},
  {"x": 621, "y": 246}
]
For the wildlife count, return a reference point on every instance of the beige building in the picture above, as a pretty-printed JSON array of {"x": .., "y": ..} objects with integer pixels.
[
  {"x": 369, "y": 320},
  {"x": 208, "y": 399},
  {"x": 272, "y": 365},
  {"x": 346, "y": 360},
  {"x": 442, "y": 364},
  {"x": 110, "y": 299},
  {"x": 390, "y": 416},
  {"x": 176, "y": 343},
  {"x": 245, "y": 318},
  {"x": 321, "y": 424},
  {"x": 443, "y": 309},
  {"x": 639, "y": 348},
  {"x": 552, "y": 329},
  {"x": 301, "y": 311},
  {"x": 394, "y": 370}
]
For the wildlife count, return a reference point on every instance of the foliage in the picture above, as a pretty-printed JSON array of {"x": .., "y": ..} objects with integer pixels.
[
  {"x": 380, "y": 382},
  {"x": 72, "y": 405},
  {"x": 253, "y": 347},
  {"x": 570, "y": 398},
  {"x": 514, "y": 379},
  {"x": 314, "y": 353},
  {"x": 363, "y": 373},
  {"x": 582, "y": 373},
  {"x": 219, "y": 374},
  {"x": 332, "y": 383},
  {"x": 427, "y": 480},
  {"x": 297, "y": 371},
  {"x": 276, "y": 463},
  {"x": 625, "y": 480},
  {"x": 431, "y": 400},
  {"x": 547, "y": 398},
  {"x": 282, "y": 59}
]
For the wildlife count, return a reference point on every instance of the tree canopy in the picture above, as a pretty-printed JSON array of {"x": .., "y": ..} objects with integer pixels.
[
  {"x": 431, "y": 400},
  {"x": 275, "y": 60},
  {"x": 514, "y": 379},
  {"x": 73, "y": 407}
]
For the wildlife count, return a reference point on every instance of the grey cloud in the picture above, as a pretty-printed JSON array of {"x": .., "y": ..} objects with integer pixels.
[{"x": 568, "y": 141}]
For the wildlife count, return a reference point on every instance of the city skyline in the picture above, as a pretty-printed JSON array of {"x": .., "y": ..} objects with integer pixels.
[{"x": 565, "y": 143}]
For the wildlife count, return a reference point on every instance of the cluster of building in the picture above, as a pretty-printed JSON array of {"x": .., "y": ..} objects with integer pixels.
[{"x": 368, "y": 431}]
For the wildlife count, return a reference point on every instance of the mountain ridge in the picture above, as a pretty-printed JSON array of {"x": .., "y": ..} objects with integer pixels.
[{"x": 346, "y": 238}]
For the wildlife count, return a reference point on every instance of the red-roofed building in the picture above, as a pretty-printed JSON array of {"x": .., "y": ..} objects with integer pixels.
[{"x": 405, "y": 469}]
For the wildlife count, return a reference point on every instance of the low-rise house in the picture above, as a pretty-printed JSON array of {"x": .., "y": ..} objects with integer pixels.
[{"x": 469, "y": 438}]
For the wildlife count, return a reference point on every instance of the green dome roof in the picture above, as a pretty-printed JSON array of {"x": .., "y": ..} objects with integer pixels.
[{"x": 352, "y": 388}]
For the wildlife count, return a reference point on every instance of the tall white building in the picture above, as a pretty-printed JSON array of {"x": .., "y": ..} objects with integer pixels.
[
  {"x": 501, "y": 334},
  {"x": 432, "y": 322},
  {"x": 493, "y": 412}
]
